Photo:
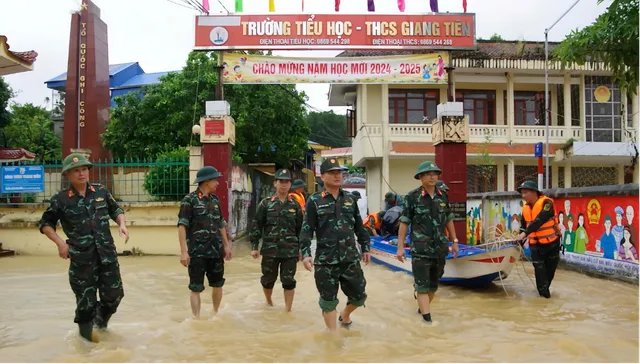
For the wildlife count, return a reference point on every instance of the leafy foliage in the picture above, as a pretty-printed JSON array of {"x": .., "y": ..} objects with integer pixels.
[
  {"x": 496, "y": 37},
  {"x": 168, "y": 178},
  {"x": 612, "y": 39},
  {"x": 328, "y": 128},
  {"x": 269, "y": 119},
  {"x": 6, "y": 93},
  {"x": 30, "y": 127}
]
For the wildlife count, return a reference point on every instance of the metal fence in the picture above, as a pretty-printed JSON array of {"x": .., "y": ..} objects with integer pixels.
[{"x": 130, "y": 180}]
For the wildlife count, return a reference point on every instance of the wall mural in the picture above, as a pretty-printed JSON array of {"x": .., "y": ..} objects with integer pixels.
[{"x": 474, "y": 222}]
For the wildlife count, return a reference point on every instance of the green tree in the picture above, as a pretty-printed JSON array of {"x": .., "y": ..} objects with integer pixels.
[
  {"x": 328, "y": 128},
  {"x": 6, "y": 93},
  {"x": 168, "y": 178},
  {"x": 612, "y": 39},
  {"x": 496, "y": 37},
  {"x": 163, "y": 117},
  {"x": 30, "y": 127}
]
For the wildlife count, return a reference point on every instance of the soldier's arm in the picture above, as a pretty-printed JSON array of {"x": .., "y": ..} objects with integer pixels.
[
  {"x": 257, "y": 225},
  {"x": 299, "y": 221},
  {"x": 49, "y": 220},
  {"x": 545, "y": 215},
  {"x": 184, "y": 218},
  {"x": 222, "y": 225},
  {"x": 405, "y": 220},
  {"x": 308, "y": 228},
  {"x": 115, "y": 212},
  {"x": 449, "y": 221},
  {"x": 361, "y": 232}
]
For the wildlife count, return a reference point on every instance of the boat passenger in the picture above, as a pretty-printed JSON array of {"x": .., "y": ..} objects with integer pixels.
[
  {"x": 373, "y": 222},
  {"x": 297, "y": 192},
  {"x": 391, "y": 222},
  {"x": 392, "y": 199}
]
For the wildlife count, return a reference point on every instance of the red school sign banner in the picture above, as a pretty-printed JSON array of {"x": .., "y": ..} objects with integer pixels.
[
  {"x": 601, "y": 226},
  {"x": 335, "y": 32}
]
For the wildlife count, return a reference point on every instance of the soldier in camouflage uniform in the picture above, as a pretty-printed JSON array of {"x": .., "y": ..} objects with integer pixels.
[
  {"x": 427, "y": 211},
  {"x": 204, "y": 244},
  {"x": 278, "y": 222},
  {"x": 84, "y": 210},
  {"x": 334, "y": 216}
]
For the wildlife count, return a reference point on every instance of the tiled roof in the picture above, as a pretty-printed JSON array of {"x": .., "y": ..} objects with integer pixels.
[
  {"x": 486, "y": 50},
  {"x": 16, "y": 154},
  {"x": 27, "y": 57}
]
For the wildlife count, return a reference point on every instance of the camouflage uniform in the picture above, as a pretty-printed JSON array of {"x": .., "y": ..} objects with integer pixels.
[
  {"x": 278, "y": 224},
  {"x": 428, "y": 217},
  {"x": 337, "y": 259},
  {"x": 93, "y": 266},
  {"x": 202, "y": 218}
]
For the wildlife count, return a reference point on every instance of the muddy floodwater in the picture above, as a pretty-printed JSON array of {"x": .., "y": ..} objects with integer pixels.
[{"x": 587, "y": 319}]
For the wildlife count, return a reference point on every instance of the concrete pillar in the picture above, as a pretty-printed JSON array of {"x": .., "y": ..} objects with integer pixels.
[
  {"x": 510, "y": 121},
  {"x": 195, "y": 163},
  {"x": 567, "y": 175},
  {"x": 554, "y": 175},
  {"x": 511, "y": 175},
  {"x": 567, "y": 105},
  {"x": 620, "y": 174},
  {"x": 634, "y": 112},
  {"x": 386, "y": 142},
  {"x": 500, "y": 117},
  {"x": 583, "y": 114},
  {"x": 500, "y": 185},
  {"x": 553, "y": 94}
]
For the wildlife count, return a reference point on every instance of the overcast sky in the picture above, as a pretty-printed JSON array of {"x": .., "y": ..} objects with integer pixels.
[{"x": 159, "y": 34}]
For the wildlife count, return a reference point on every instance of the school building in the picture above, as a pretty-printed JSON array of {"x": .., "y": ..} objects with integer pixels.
[{"x": 592, "y": 133}]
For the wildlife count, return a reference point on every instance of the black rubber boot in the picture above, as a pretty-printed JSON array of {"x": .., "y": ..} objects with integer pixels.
[
  {"x": 100, "y": 321},
  {"x": 86, "y": 331}
]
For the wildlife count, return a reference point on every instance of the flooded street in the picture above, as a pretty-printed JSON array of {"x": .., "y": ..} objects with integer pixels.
[{"x": 587, "y": 320}]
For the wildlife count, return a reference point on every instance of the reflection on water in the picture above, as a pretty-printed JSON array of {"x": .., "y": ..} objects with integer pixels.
[{"x": 587, "y": 320}]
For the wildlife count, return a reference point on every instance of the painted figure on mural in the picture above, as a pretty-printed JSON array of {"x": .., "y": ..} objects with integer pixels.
[
  {"x": 582, "y": 238},
  {"x": 607, "y": 242},
  {"x": 561, "y": 222},
  {"x": 628, "y": 250},
  {"x": 569, "y": 236},
  {"x": 540, "y": 227},
  {"x": 515, "y": 223},
  {"x": 334, "y": 217},
  {"x": 204, "y": 243},
  {"x": 630, "y": 223},
  {"x": 278, "y": 222},
  {"x": 618, "y": 229},
  {"x": 84, "y": 210}
]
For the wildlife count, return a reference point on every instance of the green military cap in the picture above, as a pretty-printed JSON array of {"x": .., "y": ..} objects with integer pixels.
[
  {"x": 425, "y": 167},
  {"x": 206, "y": 173},
  {"x": 330, "y": 164},
  {"x": 283, "y": 174},
  {"x": 298, "y": 184},
  {"x": 356, "y": 194},
  {"x": 75, "y": 160},
  {"x": 441, "y": 185},
  {"x": 528, "y": 185}
]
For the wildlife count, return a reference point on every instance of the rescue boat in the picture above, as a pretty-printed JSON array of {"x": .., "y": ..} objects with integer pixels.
[{"x": 475, "y": 266}]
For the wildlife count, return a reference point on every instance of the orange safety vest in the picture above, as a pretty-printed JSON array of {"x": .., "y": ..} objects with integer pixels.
[
  {"x": 549, "y": 231},
  {"x": 299, "y": 199},
  {"x": 377, "y": 223}
]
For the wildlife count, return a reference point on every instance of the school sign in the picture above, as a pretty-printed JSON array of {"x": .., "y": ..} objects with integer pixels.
[{"x": 335, "y": 32}]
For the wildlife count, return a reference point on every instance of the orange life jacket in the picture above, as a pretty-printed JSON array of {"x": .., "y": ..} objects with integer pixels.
[
  {"x": 299, "y": 199},
  {"x": 377, "y": 223},
  {"x": 549, "y": 231}
]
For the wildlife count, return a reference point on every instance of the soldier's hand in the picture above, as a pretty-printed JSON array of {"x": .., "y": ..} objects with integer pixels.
[
  {"x": 366, "y": 257},
  {"x": 455, "y": 249},
  {"x": 400, "y": 255},
  {"x": 227, "y": 254},
  {"x": 521, "y": 236},
  {"x": 255, "y": 254},
  {"x": 124, "y": 232},
  {"x": 308, "y": 263},
  {"x": 300, "y": 257},
  {"x": 63, "y": 250},
  {"x": 184, "y": 259}
]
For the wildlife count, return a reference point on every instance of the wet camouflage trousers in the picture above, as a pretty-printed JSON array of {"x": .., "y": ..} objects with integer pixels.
[
  {"x": 288, "y": 267},
  {"x": 89, "y": 277},
  {"x": 427, "y": 273},
  {"x": 545, "y": 259},
  {"x": 349, "y": 276},
  {"x": 213, "y": 268}
]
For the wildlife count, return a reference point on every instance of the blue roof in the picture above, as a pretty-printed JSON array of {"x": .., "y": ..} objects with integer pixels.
[
  {"x": 143, "y": 79},
  {"x": 113, "y": 69}
]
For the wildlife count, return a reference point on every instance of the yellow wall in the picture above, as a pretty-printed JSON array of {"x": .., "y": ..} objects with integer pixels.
[
  {"x": 401, "y": 172},
  {"x": 374, "y": 100},
  {"x": 152, "y": 229}
]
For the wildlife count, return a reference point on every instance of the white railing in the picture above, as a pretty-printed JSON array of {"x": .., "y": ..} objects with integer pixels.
[
  {"x": 492, "y": 133},
  {"x": 410, "y": 132}
]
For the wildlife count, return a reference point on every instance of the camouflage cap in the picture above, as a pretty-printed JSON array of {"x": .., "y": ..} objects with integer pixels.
[
  {"x": 425, "y": 167},
  {"x": 75, "y": 160},
  {"x": 441, "y": 185},
  {"x": 356, "y": 194},
  {"x": 206, "y": 173},
  {"x": 330, "y": 164},
  {"x": 283, "y": 174},
  {"x": 298, "y": 184},
  {"x": 528, "y": 185}
]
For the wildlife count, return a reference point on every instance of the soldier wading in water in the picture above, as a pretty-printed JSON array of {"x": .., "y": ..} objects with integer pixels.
[
  {"x": 84, "y": 210},
  {"x": 427, "y": 211},
  {"x": 334, "y": 216},
  {"x": 204, "y": 244},
  {"x": 278, "y": 222}
]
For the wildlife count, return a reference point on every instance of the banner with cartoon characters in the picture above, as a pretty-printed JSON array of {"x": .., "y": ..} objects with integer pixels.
[{"x": 408, "y": 69}]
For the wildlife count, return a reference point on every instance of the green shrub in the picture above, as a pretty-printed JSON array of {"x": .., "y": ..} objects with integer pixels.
[{"x": 168, "y": 177}]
